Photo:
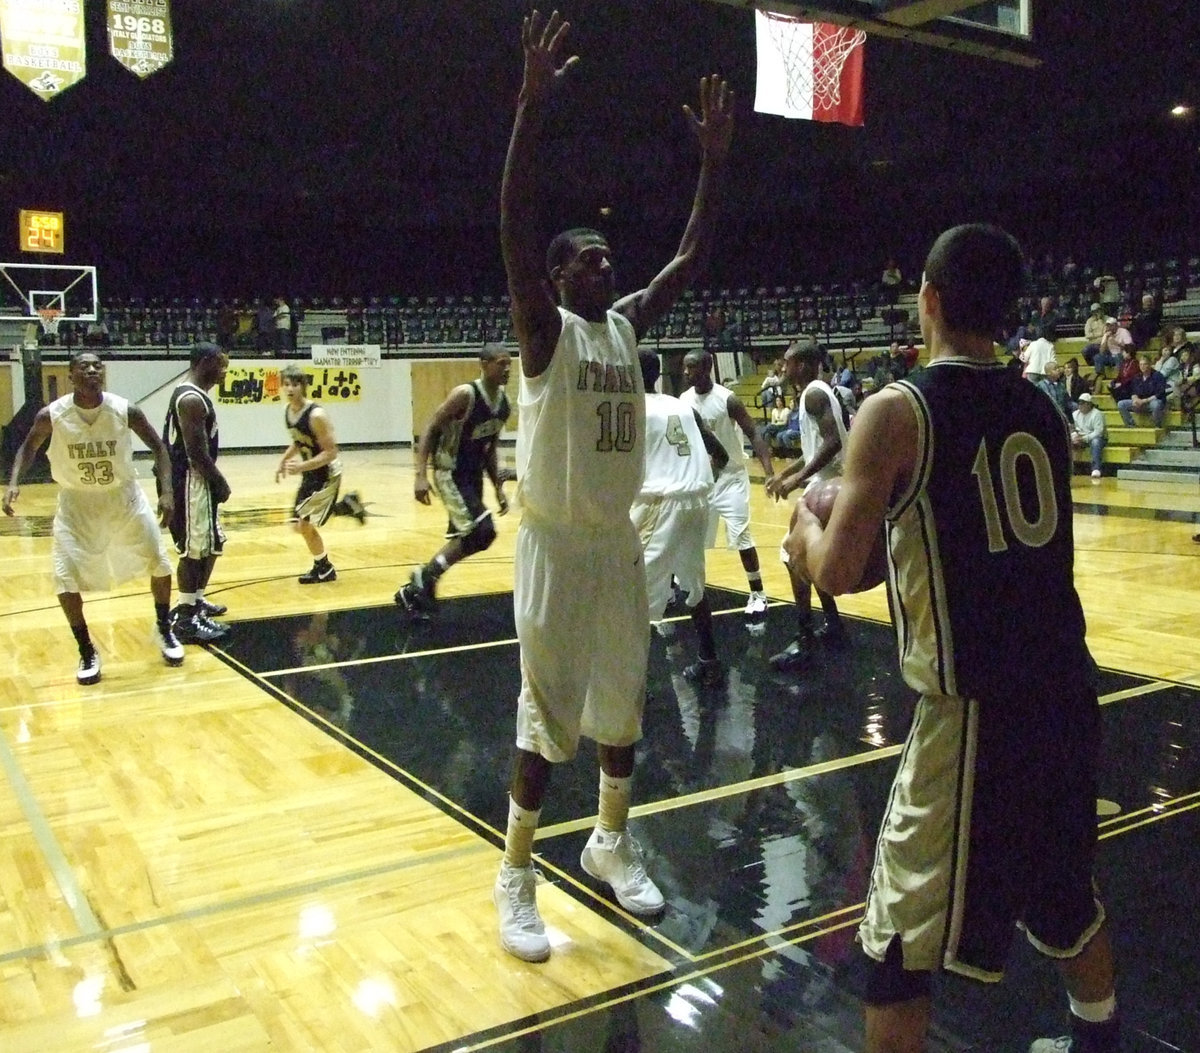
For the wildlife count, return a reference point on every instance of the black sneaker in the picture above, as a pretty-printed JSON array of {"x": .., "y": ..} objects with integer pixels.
[
  {"x": 832, "y": 635},
  {"x": 319, "y": 574},
  {"x": 706, "y": 672},
  {"x": 89, "y": 667},
  {"x": 796, "y": 656},
  {"x": 197, "y": 629},
  {"x": 168, "y": 644},
  {"x": 417, "y": 596},
  {"x": 211, "y": 610},
  {"x": 351, "y": 505}
]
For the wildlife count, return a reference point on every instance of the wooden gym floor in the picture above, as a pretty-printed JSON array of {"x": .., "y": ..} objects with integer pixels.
[{"x": 289, "y": 842}]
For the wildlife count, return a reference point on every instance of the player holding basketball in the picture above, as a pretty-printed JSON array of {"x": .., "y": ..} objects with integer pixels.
[
  {"x": 190, "y": 432},
  {"x": 822, "y": 440},
  {"x": 671, "y": 513},
  {"x": 461, "y": 438},
  {"x": 313, "y": 455},
  {"x": 992, "y": 816},
  {"x": 579, "y": 594},
  {"x": 104, "y": 529},
  {"x": 726, "y": 416}
]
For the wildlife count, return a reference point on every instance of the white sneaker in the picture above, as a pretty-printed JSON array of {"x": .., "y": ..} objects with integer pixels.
[
  {"x": 1052, "y": 1045},
  {"x": 168, "y": 644},
  {"x": 522, "y": 933},
  {"x": 89, "y": 668},
  {"x": 616, "y": 859},
  {"x": 1095, "y": 473},
  {"x": 757, "y": 604}
]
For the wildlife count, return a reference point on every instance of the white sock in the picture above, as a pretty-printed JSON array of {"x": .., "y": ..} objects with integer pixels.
[
  {"x": 518, "y": 838},
  {"x": 188, "y": 599},
  {"x": 615, "y": 794},
  {"x": 1094, "y": 1012}
]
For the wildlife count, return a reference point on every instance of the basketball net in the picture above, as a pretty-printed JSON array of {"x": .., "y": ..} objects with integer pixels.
[
  {"x": 49, "y": 317},
  {"x": 822, "y": 81}
]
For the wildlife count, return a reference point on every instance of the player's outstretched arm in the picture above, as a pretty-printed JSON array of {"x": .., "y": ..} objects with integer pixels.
[
  {"x": 144, "y": 430},
  {"x": 714, "y": 132},
  {"x": 34, "y": 441},
  {"x": 741, "y": 417},
  {"x": 534, "y": 312}
]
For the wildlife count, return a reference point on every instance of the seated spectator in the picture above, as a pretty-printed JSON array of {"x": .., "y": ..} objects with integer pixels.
[
  {"x": 1093, "y": 329},
  {"x": 1088, "y": 429},
  {"x": 772, "y": 385},
  {"x": 1189, "y": 379},
  {"x": 1037, "y": 353},
  {"x": 789, "y": 438},
  {"x": 1169, "y": 366},
  {"x": 911, "y": 355},
  {"x": 897, "y": 363},
  {"x": 778, "y": 421},
  {"x": 1053, "y": 385},
  {"x": 1076, "y": 384},
  {"x": 1146, "y": 323},
  {"x": 1047, "y": 319},
  {"x": 1108, "y": 349},
  {"x": 1147, "y": 394},
  {"x": 845, "y": 376},
  {"x": 1127, "y": 369}
]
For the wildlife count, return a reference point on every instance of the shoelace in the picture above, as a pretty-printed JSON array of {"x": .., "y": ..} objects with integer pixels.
[
  {"x": 524, "y": 909},
  {"x": 629, "y": 852}
]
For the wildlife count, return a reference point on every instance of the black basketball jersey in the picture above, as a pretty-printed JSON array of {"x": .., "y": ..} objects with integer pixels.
[
  {"x": 982, "y": 547},
  {"x": 463, "y": 447},
  {"x": 307, "y": 444},
  {"x": 173, "y": 436}
]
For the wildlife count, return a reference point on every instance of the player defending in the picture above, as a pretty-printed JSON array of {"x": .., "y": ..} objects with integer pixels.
[
  {"x": 671, "y": 513},
  {"x": 822, "y": 440},
  {"x": 992, "y": 815},
  {"x": 724, "y": 414},
  {"x": 198, "y": 486},
  {"x": 461, "y": 437},
  {"x": 580, "y": 591},
  {"x": 104, "y": 529},
  {"x": 313, "y": 455}
]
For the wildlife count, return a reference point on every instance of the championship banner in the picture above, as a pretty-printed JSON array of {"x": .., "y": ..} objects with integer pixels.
[
  {"x": 139, "y": 34},
  {"x": 256, "y": 385},
  {"x": 353, "y": 356},
  {"x": 44, "y": 45},
  {"x": 808, "y": 70}
]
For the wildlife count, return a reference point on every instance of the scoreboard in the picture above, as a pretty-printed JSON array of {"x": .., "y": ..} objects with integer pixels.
[{"x": 41, "y": 231}]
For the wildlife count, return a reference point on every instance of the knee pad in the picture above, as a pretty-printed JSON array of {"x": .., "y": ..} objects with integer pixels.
[
  {"x": 480, "y": 538},
  {"x": 888, "y": 982}
]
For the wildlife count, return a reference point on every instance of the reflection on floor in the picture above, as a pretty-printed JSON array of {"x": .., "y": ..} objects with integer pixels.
[{"x": 758, "y": 804}]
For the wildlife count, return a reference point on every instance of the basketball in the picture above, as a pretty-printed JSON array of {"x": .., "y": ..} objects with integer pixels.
[{"x": 819, "y": 499}]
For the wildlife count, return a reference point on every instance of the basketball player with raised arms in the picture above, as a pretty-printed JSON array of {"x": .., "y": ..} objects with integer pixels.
[
  {"x": 579, "y": 591},
  {"x": 822, "y": 440},
  {"x": 461, "y": 439},
  {"x": 726, "y": 416},
  {"x": 991, "y": 819},
  {"x": 104, "y": 530}
]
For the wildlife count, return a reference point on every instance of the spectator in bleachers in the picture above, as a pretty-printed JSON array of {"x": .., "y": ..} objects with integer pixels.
[
  {"x": 1047, "y": 320},
  {"x": 1093, "y": 329},
  {"x": 1189, "y": 379},
  {"x": 227, "y": 327},
  {"x": 1076, "y": 384},
  {"x": 772, "y": 385},
  {"x": 1107, "y": 352},
  {"x": 1053, "y": 385},
  {"x": 778, "y": 421},
  {"x": 911, "y": 354},
  {"x": 264, "y": 327},
  {"x": 1038, "y": 352},
  {"x": 282, "y": 318},
  {"x": 1088, "y": 429},
  {"x": 1147, "y": 394},
  {"x": 1169, "y": 366},
  {"x": 897, "y": 362},
  {"x": 1146, "y": 323},
  {"x": 890, "y": 282},
  {"x": 1127, "y": 370}
]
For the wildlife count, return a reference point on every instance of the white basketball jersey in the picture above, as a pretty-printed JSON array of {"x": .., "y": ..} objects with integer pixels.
[
  {"x": 581, "y": 431},
  {"x": 713, "y": 407},
  {"x": 810, "y": 431},
  {"x": 677, "y": 464},
  {"x": 90, "y": 449}
]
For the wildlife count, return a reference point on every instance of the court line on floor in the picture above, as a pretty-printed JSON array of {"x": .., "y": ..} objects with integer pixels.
[{"x": 56, "y": 860}]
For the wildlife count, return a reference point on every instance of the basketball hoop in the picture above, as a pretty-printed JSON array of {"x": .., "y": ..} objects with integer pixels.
[
  {"x": 49, "y": 317},
  {"x": 822, "y": 80}
]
